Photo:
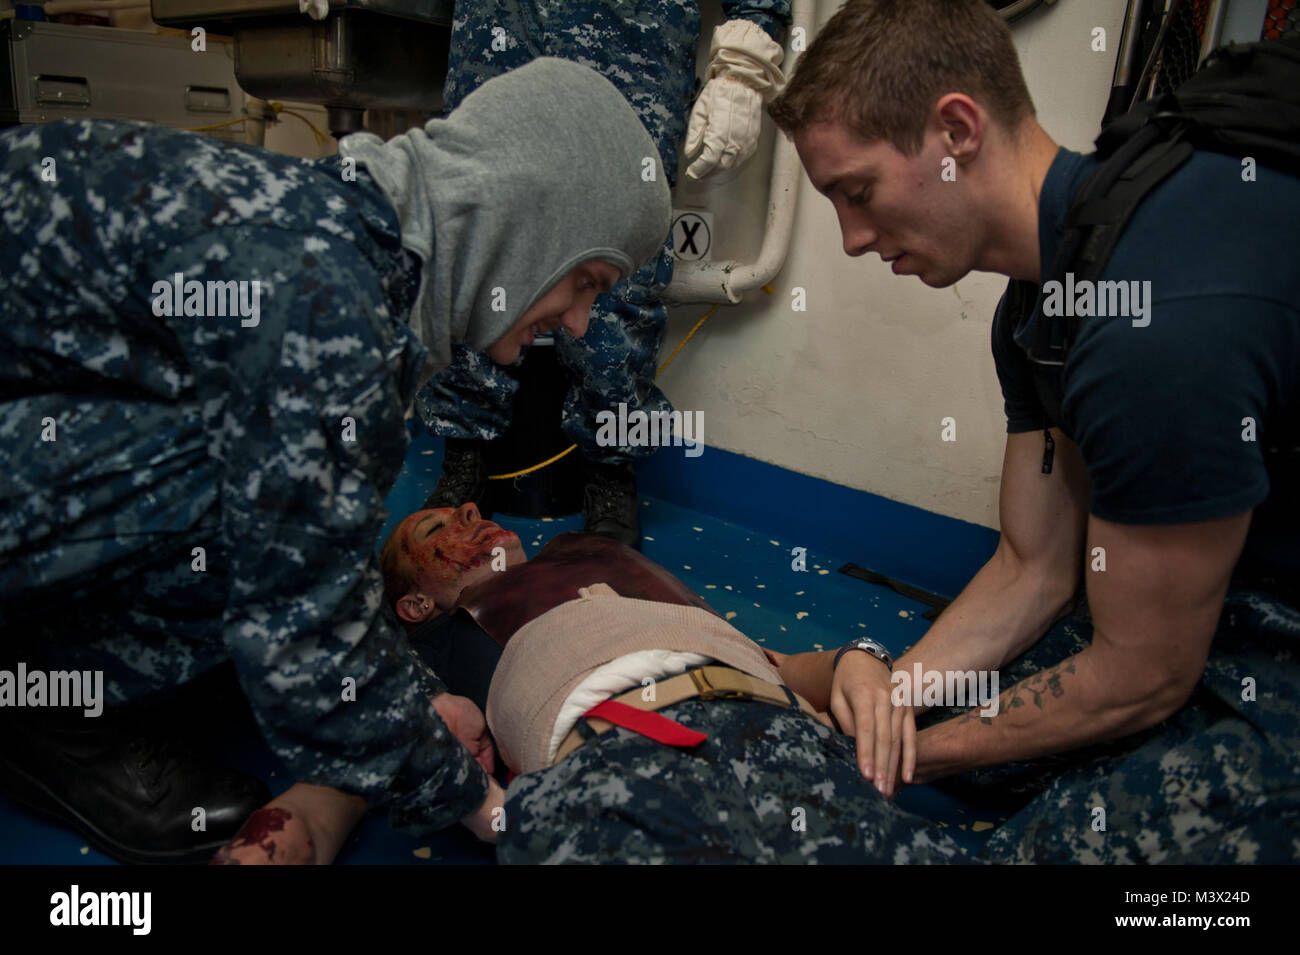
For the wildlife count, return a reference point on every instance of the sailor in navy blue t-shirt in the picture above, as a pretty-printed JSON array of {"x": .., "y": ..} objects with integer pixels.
[
  {"x": 1187, "y": 408},
  {"x": 1162, "y": 474}
]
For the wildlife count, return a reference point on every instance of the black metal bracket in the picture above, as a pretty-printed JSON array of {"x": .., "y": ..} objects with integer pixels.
[{"x": 936, "y": 603}]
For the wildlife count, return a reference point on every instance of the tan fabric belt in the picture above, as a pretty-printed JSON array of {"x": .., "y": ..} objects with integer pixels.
[{"x": 714, "y": 682}]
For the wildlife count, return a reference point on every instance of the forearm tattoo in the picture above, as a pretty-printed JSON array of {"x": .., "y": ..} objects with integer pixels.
[{"x": 1031, "y": 689}]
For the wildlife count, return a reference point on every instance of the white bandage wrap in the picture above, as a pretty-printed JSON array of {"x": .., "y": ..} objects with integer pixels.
[
  {"x": 727, "y": 118},
  {"x": 615, "y": 677}
]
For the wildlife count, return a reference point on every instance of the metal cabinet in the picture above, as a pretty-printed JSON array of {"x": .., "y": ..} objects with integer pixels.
[{"x": 51, "y": 71}]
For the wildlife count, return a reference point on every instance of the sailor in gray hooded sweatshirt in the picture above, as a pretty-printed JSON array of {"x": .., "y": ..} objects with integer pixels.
[{"x": 209, "y": 350}]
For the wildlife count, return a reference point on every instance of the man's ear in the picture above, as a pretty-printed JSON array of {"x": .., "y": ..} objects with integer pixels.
[
  {"x": 963, "y": 124},
  {"x": 415, "y": 607}
]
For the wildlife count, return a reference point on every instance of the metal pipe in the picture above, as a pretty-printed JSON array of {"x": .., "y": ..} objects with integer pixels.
[
  {"x": 1214, "y": 20},
  {"x": 729, "y": 281},
  {"x": 345, "y": 120},
  {"x": 1147, "y": 81},
  {"x": 258, "y": 112},
  {"x": 1125, "y": 79}
]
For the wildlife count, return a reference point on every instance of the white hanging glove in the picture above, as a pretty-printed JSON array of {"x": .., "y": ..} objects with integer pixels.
[
  {"x": 744, "y": 72},
  {"x": 316, "y": 9}
]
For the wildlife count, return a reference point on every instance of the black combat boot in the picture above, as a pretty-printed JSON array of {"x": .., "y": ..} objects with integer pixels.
[
  {"x": 464, "y": 477},
  {"x": 123, "y": 785},
  {"x": 609, "y": 502}
]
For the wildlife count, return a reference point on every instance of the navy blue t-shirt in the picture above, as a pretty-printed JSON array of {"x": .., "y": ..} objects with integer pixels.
[{"x": 1159, "y": 403}]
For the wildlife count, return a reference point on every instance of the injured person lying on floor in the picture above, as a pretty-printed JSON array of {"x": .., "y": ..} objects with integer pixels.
[{"x": 641, "y": 726}]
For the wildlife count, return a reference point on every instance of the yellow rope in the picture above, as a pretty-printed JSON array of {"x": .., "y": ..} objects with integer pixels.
[
  {"x": 276, "y": 110},
  {"x": 682, "y": 344},
  {"x": 204, "y": 129},
  {"x": 321, "y": 138},
  {"x": 535, "y": 467}
]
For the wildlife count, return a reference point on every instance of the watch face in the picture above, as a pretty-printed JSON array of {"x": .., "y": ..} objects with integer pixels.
[
  {"x": 876, "y": 650},
  {"x": 866, "y": 646}
]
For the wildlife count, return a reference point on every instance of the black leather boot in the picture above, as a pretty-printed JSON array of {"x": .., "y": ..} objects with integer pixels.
[
  {"x": 609, "y": 502},
  {"x": 130, "y": 791},
  {"x": 464, "y": 477}
]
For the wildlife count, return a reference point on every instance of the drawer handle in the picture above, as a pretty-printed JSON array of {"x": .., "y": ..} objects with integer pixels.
[{"x": 62, "y": 90}]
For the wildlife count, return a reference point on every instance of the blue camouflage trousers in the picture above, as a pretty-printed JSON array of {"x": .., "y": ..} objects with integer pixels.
[
  {"x": 1218, "y": 783},
  {"x": 770, "y": 785}
]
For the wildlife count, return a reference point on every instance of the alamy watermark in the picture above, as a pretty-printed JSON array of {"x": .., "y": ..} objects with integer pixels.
[
  {"x": 946, "y": 688},
  {"x": 652, "y": 429},
  {"x": 208, "y": 299},
  {"x": 75, "y": 907},
  {"x": 73, "y": 688},
  {"x": 1086, "y": 299}
]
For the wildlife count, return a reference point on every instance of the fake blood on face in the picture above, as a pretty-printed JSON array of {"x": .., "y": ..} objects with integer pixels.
[{"x": 451, "y": 550}]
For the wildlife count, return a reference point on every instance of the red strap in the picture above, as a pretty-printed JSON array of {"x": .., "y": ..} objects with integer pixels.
[{"x": 658, "y": 728}]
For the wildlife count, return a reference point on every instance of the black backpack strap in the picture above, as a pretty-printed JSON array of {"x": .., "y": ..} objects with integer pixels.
[
  {"x": 1100, "y": 212},
  {"x": 1103, "y": 219},
  {"x": 1244, "y": 101}
]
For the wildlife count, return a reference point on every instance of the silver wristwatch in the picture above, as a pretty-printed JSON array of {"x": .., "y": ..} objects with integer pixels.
[{"x": 870, "y": 646}]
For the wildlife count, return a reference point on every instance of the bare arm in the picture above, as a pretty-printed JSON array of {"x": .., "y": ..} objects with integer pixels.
[
  {"x": 1155, "y": 610},
  {"x": 1029, "y": 583},
  {"x": 308, "y": 824},
  {"x": 304, "y": 825}
]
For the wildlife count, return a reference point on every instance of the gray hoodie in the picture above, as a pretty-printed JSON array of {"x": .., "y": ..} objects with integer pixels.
[{"x": 537, "y": 171}]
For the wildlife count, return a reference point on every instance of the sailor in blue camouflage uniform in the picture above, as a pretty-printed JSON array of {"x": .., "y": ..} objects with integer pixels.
[
  {"x": 769, "y": 785},
  {"x": 183, "y": 485},
  {"x": 648, "y": 50},
  {"x": 777, "y": 787}
]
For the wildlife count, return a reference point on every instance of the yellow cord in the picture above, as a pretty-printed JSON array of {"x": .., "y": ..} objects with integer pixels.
[
  {"x": 682, "y": 344},
  {"x": 321, "y": 138},
  {"x": 535, "y": 467},
  {"x": 276, "y": 110},
  {"x": 204, "y": 129}
]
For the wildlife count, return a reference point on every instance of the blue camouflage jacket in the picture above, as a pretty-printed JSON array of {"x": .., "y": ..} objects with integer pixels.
[{"x": 148, "y": 408}]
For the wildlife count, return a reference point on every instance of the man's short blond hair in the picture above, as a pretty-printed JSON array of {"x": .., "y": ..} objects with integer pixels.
[{"x": 880, "y": 66}]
